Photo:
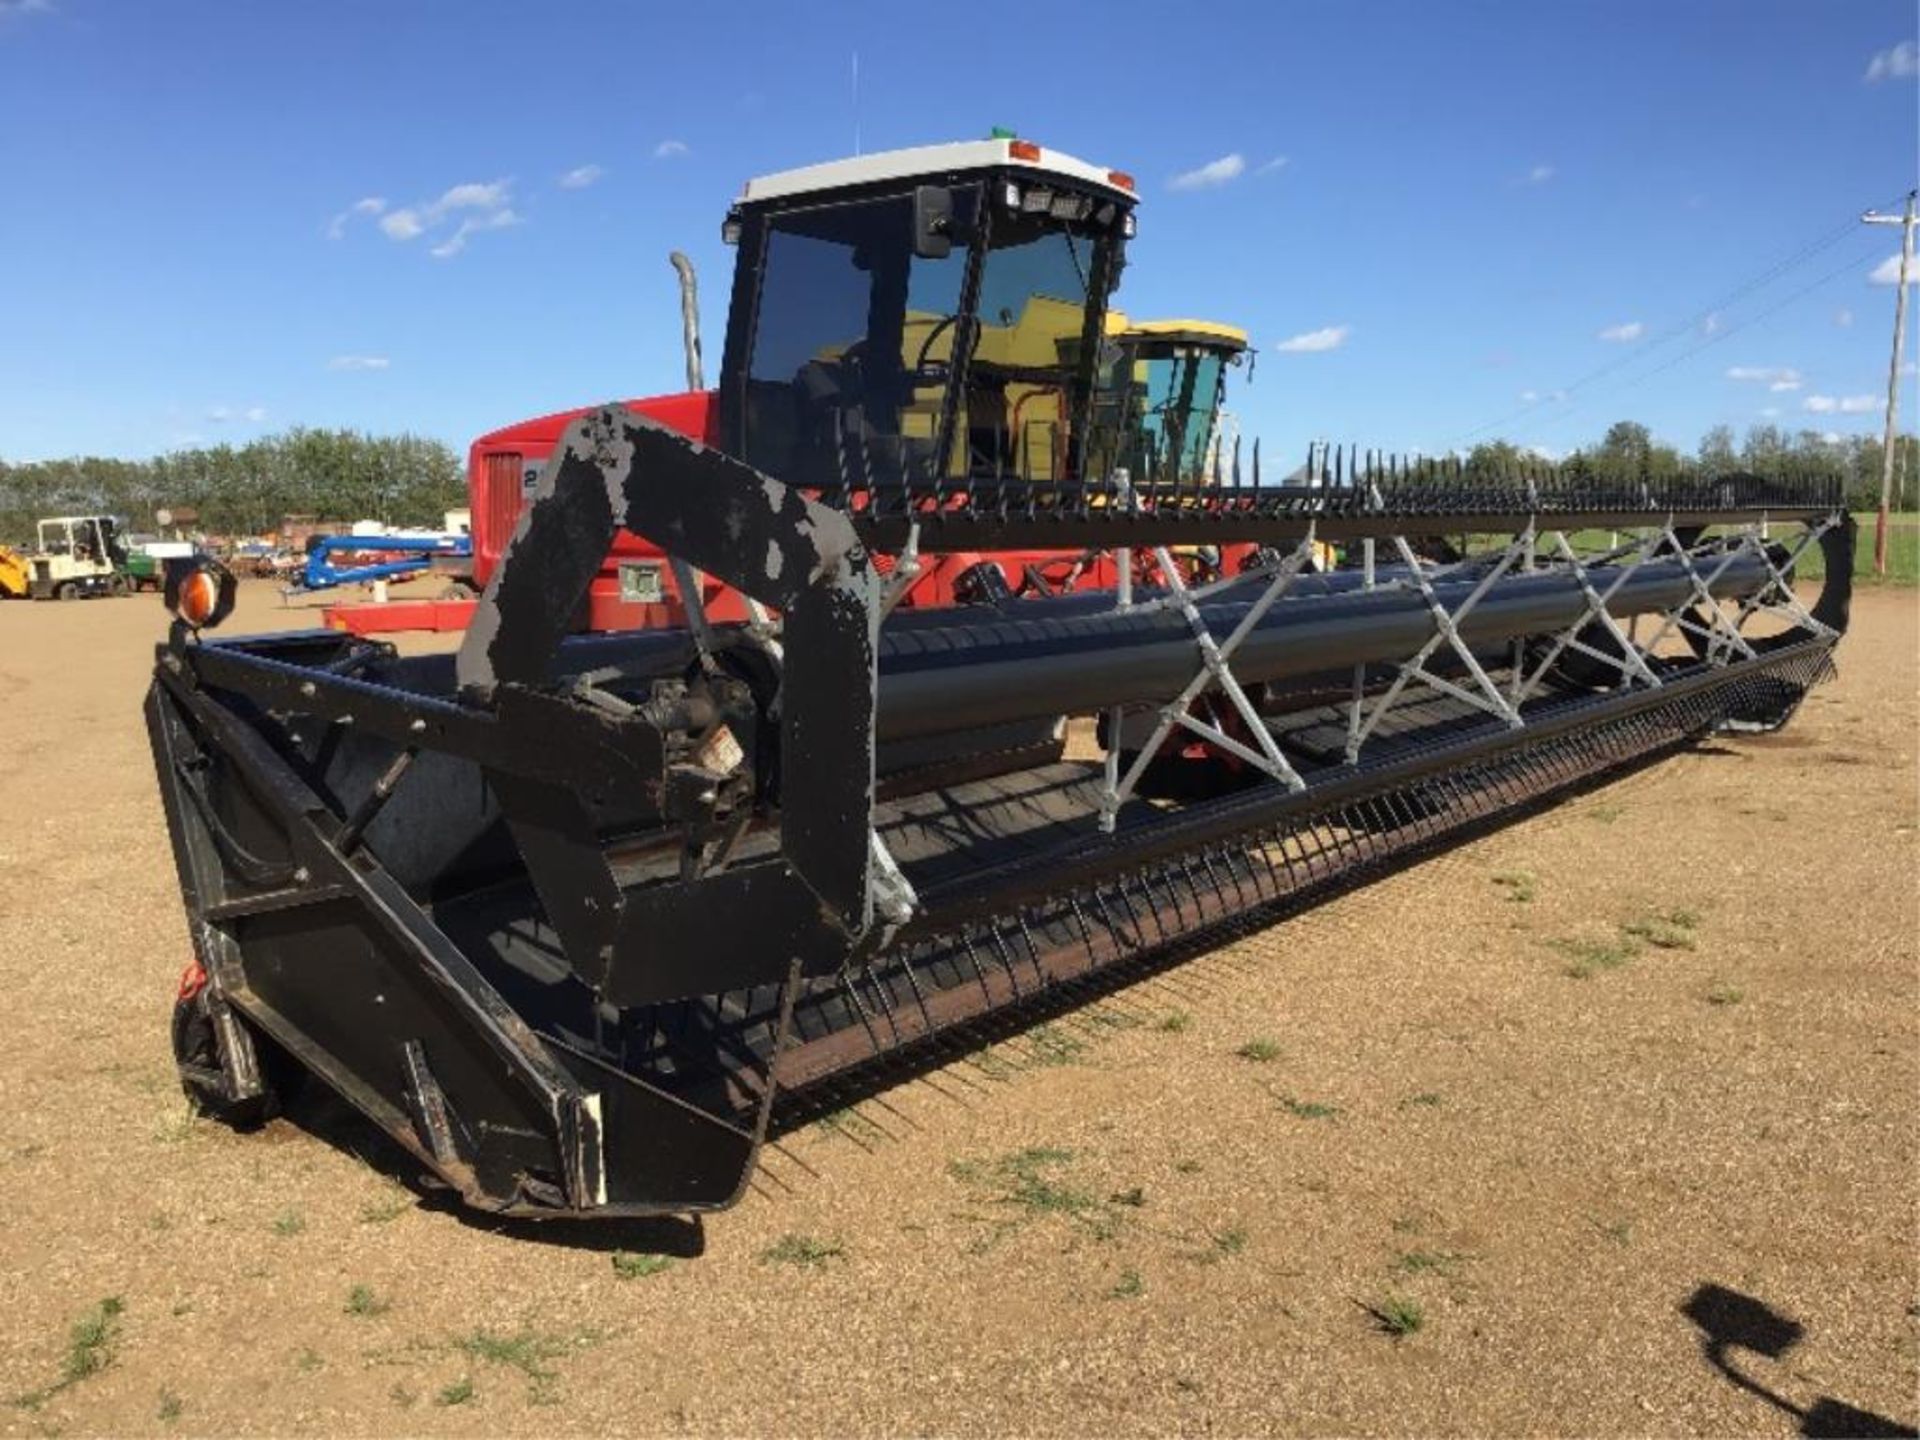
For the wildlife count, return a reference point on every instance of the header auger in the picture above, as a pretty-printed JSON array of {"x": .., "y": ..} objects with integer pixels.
[{"x": 572, "y": 916}]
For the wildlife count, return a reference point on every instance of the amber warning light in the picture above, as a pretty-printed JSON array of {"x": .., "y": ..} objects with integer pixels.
[{"x": 200, "y": 591}]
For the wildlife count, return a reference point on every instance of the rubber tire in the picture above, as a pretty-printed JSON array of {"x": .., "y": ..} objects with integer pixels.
[
  {"x": 194, "y": 1045},
  {"x": 66, "y": 590},
  {"x": 119, "y": 587}
]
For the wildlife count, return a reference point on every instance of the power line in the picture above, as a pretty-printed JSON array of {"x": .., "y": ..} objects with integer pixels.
[
  {"x": 1723, "y": 335},
  {"x": 1826, "y": 240}
]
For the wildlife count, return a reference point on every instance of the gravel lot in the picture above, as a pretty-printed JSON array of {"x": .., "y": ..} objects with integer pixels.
[{"x": 1187, "y": 1209}]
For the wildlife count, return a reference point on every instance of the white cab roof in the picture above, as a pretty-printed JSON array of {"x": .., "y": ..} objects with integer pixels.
[{"x": 924, "y": 160}]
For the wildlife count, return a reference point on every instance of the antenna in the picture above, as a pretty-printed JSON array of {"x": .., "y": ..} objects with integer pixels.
[{"x": 856, "y": 102}]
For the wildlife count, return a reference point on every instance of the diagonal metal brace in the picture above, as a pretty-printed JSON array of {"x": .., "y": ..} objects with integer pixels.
[{"x": 1215, "y": 670}]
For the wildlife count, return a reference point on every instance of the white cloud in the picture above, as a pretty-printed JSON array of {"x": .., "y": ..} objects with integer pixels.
[
  {"x": 358, "y": 362},
  {"x": 1540, "y": 174},
  {"x": 480, "y": 204},
  {"x": 474, "y": 195},
  {"x": 1774, "y": 377},
  {"x": 1622, "y": 333},
  {"x": 1551, "y": 397},
  {"x": 1278, "y": 162},
  {"x": 1887, "y": 272},
  {"x": 1214, "y": 172},
  {"x": 1547, "y": 453},
  {"x": 580, "y": 177},
  {"x": 403, "y": 225},
  {"x": 456, "y": 242},
  {"x": 221, "y": 414},
  {"x": 669, "y": 149},
  {"x": 1843, "y": 317},
  {"x": 1902, "y": 62},
  {"x": 25, "y": 7},
  {"x": 1841, "y": 405},
  {"x": 371, "y": 205},
  {"x": 1312, "y": 342},
  {"x": 1712, "y": 325}
]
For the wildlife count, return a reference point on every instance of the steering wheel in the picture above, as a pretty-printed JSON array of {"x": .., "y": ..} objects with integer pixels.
[{"x": 920, "y": 366}]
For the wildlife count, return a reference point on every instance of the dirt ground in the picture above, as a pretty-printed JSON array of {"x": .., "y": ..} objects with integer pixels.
[{"x": 1559, "y": 1104}]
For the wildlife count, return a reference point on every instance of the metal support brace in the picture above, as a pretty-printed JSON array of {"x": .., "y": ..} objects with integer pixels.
[
  {"x": 1720, "y": 634},
  {"x": 1789, "y": 604},
  {"x": 1215, "y": 669},
  {"x": 1116, "y": 717},
  {"x": 1446, "y": 632},
  {"x": 906, "y": 570},
  {"x": 893, "y": 894},
  {"x": 1633, "y": 665},
  {"x": 693, "y": 600}
]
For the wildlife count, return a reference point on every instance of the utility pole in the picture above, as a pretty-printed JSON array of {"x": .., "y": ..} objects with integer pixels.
[{"x": 1905, "y": 222}]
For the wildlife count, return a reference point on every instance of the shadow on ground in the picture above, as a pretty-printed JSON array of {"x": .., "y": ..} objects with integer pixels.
[
  {"x": 1730, "y": 1322},
  {"x": 327, "y": 1118}
]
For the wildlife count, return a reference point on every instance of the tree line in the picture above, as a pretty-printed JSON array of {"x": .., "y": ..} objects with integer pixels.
[
  {"x": 343, "y": 475},
  {"x": 1629, "y": 449},
  {"x": 335, "y": 475}
]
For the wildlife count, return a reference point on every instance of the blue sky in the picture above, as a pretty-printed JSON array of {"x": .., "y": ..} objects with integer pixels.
[{"x": 1425, "y": 213}]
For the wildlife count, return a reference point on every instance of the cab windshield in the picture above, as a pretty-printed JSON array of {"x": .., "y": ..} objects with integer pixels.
[
  {"x": 1182, "y": 397},
  {"x": 1160, "y": 407},
  {"x": 870, "y": 363}
]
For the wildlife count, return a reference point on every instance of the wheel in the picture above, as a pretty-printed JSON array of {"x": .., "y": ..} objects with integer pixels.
[
  {"x": 66, "y": 590},
  {"x": 458, "y": 590},
  {"x": 196, "y": 1050},
  {"x": 119, "y": 586}
]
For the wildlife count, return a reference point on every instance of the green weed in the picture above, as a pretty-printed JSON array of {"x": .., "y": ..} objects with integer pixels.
[
  {"x": 630, "y": 1266},
  {"x": 1022, "y": 1181},
  {"x": 1261, "y": 1050},
  {"x": 1220, "y": 1244},
  {"x": 802, "y": 1250},
  {"x": 1398, "y": 1316},
  {"x": 1586, "y": 958},
  {"x": 458, "y": 1393},
  {"x": 90, "y": 1342},
  {"x": 1416, "y": 1262},
  {"x": 1128, "y": 1286},
  {"x": 1307, "y": 1109},
  {"x": 1669, "y": 930},
  {"x": 527, "y": 1352},
  {"x": 1055, "y": 1046},
  {"x": 1174, "y": 1022},
  {"x": 363, "y": 1302}
]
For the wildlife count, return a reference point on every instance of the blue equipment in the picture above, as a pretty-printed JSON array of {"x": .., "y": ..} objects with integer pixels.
[{"x": 407, "y": 555}]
